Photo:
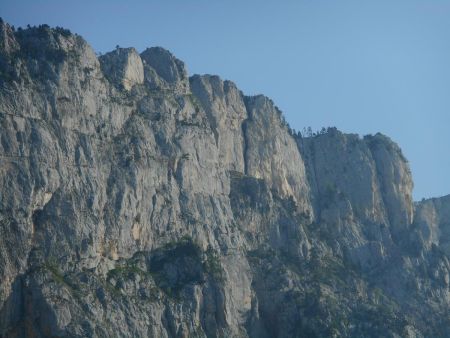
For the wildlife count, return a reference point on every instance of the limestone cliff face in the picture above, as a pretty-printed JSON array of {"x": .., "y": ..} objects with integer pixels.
[
  {"x": 341, "y": 167},
  {"x": 432, "y": 222},
  {"x": 123, "y": 66},
  {"x": 362, "y": 189},
  {"x": 395, "y": 181},
  {"x": 139, "y": 202},
  {"x": 272, "y": 154},
  {"x": 225, "y": 109},
  {"x": 164, "y": 72}
]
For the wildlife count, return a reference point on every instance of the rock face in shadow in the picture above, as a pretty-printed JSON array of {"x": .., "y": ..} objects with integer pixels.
[
  {"x": 139, "y": 202},
  {"x": 164, "y": 72}
]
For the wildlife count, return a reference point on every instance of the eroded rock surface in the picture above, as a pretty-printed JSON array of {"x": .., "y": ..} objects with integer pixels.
[
  {"x": 123, "y": 66},
  {"x": 138, "y": 202}
]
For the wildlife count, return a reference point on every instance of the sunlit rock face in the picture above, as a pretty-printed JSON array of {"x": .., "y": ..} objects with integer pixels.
[
  {"x": 123, "y": 66},
  {"x": 137, "y": 201},
  {"x": 432, "y": 222}
]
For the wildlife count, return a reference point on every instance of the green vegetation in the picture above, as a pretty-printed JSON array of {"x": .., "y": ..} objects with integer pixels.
[
  {"x": 212, "y": 265},
  {"x": 56, "y": 273},
  {"x": 60, "y": 278},
  {"x": 125, "y": 271},
  {"x": 64, "y": 32}
]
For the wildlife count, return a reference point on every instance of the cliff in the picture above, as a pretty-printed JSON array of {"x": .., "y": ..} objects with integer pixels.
[{"x": 137, "y": 201}]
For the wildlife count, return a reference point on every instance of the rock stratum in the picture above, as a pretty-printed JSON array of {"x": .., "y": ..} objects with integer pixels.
[{"x": 137, "y": 201}]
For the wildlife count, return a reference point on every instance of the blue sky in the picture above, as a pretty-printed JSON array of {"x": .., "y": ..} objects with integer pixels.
[{"x": 362, "y": 66}]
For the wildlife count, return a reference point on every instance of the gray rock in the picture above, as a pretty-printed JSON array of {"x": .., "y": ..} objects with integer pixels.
[
  {"x": 124, "y": 67},
  {"x": 138, "y": 202},
  {"x": 163, "y": 71},
  {"x": 395, "y": 181},
  {"x": 271, "y": 153},
  {"x": 432, "y": 222}
]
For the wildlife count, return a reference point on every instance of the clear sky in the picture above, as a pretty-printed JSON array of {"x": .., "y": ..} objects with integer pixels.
[{"x": 362, "y": 66}]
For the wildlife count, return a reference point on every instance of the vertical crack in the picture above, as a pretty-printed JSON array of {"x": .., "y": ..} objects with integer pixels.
[{"x": 245, "y": 145}]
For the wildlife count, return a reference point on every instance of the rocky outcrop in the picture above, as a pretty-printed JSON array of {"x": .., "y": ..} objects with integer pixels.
[
  {"x": 395, "y": 182},
  {"x": 432, "y": 222},
  {"x": 225, "y": 109},
  {"x": 272, "y": 154},
  {"x": 164, "y": 72},
  {"x": 138, "y": 202},
  {"x": 362, "y": 189},
  {"x": 341, "y": 167},
  {"x": 124, "y": 67}
]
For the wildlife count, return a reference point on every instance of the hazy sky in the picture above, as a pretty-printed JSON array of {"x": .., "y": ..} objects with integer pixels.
[{"x": 362, "y": 66}]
